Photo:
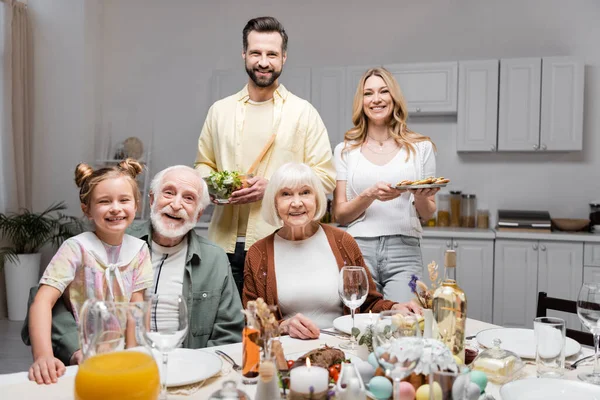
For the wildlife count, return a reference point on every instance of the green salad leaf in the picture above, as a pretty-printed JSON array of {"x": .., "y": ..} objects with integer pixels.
[{"x": 223, "y": 183}]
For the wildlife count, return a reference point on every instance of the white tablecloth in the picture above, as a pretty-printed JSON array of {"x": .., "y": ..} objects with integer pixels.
[{"x": 16, "y": 386}]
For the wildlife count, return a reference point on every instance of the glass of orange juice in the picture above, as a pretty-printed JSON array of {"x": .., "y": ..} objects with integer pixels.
[{"x": 117, "y": 362}]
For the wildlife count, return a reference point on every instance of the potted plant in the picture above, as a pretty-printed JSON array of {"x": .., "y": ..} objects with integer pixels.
[{"x": 26, "y": 233}]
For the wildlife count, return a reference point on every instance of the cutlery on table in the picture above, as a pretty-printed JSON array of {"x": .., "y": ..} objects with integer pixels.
[
  {"x": 234, "y": 365},
  {"x": 339, "y": 335},
  {"x": 574, "y": 364}
]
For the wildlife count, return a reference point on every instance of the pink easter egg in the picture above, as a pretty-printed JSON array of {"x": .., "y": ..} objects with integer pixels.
[{"x": 407, "y": 391}]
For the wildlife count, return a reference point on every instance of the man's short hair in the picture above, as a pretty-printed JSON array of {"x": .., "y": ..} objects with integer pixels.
[
  {"x": 264, "y": 24},
  {"x": 292, "y": 175},
  {"x": 156, "y": 183}
]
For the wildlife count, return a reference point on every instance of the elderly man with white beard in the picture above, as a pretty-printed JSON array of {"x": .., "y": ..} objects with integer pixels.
[{"x": 183, "y": 262}]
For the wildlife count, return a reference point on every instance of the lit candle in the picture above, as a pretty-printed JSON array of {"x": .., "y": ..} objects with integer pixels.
[
  {"x": 309, "y": 379},
  {"x": 370, "y": 318}
]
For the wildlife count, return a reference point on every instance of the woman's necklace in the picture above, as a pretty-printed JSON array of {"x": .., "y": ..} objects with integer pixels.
[{"x": 381, "y": 145}]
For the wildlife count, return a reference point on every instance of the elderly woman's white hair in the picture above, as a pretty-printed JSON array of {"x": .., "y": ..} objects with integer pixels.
[
  {"x": 292, "y": 176},
  {"x": 204, "y": 196}
]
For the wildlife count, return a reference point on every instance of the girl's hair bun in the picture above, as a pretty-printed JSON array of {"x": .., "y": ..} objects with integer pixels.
[
  {"x": 82, "y": 173},
  {"x": 131, "y": 166}
]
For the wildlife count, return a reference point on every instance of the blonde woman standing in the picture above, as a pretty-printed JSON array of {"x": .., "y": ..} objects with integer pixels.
[{"x": 377, "y": 153}]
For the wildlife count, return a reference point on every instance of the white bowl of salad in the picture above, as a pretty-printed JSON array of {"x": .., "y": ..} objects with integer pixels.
[{"x": 222, "y": 183}]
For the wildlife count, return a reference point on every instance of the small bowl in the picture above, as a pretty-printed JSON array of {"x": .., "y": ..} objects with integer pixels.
[
  {"x": 221, "y": 197},
  {"x": 570, "y": 224}
]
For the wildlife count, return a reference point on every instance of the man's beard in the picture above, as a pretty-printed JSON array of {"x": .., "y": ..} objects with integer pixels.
[
  {"x": 263, "y": 82},
  {"x": 171, "y": 230}
]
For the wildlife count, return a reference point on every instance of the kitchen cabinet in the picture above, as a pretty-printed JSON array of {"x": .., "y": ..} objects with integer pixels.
[
  {"x": 562, "y": 104},
  {"x": 591, "y": 255},
  {"x": 429, "y": 88},
  {"x": 560, "y": 274},
  {"x": 525, "y": 267},
  {"x": 474, "y": 272},
  {"x": 591, "y": 274},
  {"x": 519, "y": 107},
  {"x": 477, "y": 118},
  {"x": 541, "y": 104}
]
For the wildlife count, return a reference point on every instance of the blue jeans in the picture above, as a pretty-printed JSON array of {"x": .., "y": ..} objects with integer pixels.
[{"x": 392, "y": 260}]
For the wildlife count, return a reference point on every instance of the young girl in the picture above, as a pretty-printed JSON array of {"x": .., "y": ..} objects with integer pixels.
[{"x": 105, "y": 264}]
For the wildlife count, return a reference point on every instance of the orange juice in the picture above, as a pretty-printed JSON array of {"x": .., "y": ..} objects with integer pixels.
[{"x": 120, "y": 375}]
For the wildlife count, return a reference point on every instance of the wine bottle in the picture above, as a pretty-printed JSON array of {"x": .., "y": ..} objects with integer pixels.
[{"x": 450, "y": 310}]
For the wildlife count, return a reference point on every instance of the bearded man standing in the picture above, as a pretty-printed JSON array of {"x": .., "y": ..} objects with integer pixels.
[{"x": 263, "y": 125}]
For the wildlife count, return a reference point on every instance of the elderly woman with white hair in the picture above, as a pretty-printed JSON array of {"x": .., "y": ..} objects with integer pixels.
[{"x": 297, "y": 267}]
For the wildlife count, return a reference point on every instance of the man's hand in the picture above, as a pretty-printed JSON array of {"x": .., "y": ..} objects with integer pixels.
[
  {"x": 300, "y": 327},
  {"x": 46, "y": 369},
  {"x": 254, "y": 192}
]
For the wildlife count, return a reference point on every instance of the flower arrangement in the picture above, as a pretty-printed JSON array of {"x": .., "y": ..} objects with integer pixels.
[
  {"x": 423, "y": 293},
  {"x": 260, "y": 315}
]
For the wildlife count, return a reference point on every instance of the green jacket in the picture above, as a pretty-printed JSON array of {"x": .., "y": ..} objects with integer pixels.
[{"x": 213, "y": 302}]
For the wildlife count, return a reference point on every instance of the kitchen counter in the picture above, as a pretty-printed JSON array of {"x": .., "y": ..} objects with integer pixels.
[
  {"x": 458, "y": 233},
  {"x": 552, "y": 236}
]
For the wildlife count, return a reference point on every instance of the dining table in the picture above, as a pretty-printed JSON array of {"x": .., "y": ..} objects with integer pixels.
[{"x": 17, "y": 386}]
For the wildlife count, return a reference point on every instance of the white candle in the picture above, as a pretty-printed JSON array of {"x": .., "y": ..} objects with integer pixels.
[{"x": 303, "y": 378}]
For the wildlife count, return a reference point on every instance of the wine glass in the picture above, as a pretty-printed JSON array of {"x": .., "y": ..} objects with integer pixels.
[
  {"x": 167, "y": 329},
  {"x": 588, "y": 310},
  {"x": 353, "y": 287},
  {"x": 397, "y": 345}
]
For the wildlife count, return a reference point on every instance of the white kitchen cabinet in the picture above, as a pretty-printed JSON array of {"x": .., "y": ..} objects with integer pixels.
[
  {"x": 477, "y": 118},
  {"x": 519, "y": 107},
  {"x": 525, "y": 267},
  {"x": 591, "y": 254},
  {"x": 562, "y": 104},
  {"x": 591, "y": 274},
  {"x": 475, "y": 270},
  {"x": 560, "y": 274},
  {"x": 515, "y": 283},
  {"x": 328, "y": 96},
  {"x": 429, "y": 88}
]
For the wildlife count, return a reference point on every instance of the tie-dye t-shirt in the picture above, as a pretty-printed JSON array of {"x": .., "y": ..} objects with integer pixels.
[{"x": 84, "y": 267}]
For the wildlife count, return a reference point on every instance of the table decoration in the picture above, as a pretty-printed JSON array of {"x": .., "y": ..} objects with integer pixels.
[
  {"x": 309, "y": 382},
  {"x": 424, "y": 296}
]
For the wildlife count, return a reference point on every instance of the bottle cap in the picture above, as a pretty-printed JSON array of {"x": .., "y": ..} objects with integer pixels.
[{"x": 450, "y": 259}]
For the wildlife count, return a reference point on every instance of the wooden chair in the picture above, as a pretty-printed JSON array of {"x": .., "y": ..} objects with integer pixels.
[{"x": 546, "y": 303}]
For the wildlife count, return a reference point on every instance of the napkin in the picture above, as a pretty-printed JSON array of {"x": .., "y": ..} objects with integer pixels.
[{"x": 187, "y": 390}]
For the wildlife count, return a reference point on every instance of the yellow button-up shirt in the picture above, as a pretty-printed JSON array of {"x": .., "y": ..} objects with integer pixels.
[{"x": 301, "y": 137}]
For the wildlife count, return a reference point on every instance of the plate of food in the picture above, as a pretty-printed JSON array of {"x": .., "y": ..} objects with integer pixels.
[
  {"x": 427, "y": 183},
  {"x": 222, "y": 183}
]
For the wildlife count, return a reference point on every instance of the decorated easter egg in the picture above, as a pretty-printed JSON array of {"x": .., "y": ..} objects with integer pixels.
[
  {"x": 407, "y": 391},
  {"x": 472, "y": 392},
  {"x": 423, "y": 391},
  {"x": 459, "y": 386},
  {"x": 380, "y": 387},
  {"x": 480, "y": 378},
  {"x": 372, "y": 359}
]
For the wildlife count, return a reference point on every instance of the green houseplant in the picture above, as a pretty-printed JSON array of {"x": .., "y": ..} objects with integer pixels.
[{"x": 24, "y": 234}]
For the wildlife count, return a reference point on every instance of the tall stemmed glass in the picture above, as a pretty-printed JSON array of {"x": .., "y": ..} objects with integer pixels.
[
  {"x": 397, "y": 345},
  {"x": 588, "y": 310},
  {"x": 168, "y": 328},
  {"x": 353, "y": 286}
]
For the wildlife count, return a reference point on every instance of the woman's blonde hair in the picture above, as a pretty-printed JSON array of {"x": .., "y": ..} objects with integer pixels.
[
  {"x": 292, "y": 175},
  {"x": 86, "y": 178},
  {"x": 403, "y": 136}
]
